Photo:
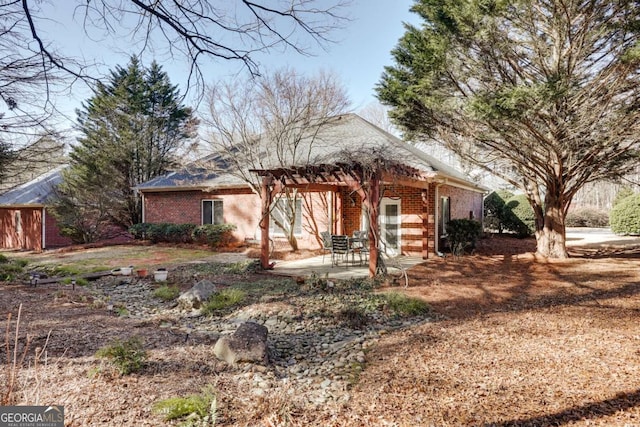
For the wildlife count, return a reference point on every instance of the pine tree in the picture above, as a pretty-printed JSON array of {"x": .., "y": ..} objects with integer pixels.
[{"x": 133, "y": 129}]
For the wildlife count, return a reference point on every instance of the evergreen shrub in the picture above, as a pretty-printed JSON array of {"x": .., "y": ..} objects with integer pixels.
[{"x": 625, "y": 216}]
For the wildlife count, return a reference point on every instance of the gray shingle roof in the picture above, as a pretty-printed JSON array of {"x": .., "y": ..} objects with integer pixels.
[
  {"x": 35, "y": 192},
  {"x": 346, "y": 138}
]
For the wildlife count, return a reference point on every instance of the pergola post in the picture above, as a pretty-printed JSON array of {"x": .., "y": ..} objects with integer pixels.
[
  {"x": 425, "y": 223},
  {"x": 265, "y": 197},
  {"x": 374, "y": 229}
]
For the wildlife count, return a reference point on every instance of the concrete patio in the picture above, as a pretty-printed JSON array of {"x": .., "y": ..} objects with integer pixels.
[{"x": 308, "y": 266}]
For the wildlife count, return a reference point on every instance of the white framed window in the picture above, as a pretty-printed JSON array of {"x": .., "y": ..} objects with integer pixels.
[
  {"x": 212, "y": 212},
  {"x": 281, "y": 212},
  {"x": 445, "y": 215}
]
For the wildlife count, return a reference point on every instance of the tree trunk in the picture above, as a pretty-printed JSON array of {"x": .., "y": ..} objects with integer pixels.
[{"x": 551, "y": 237}]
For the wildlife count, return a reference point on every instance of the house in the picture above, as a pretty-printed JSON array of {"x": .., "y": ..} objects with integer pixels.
[
  {"x": 351, "y": 174},
  {"x": 25, "y": 223}
]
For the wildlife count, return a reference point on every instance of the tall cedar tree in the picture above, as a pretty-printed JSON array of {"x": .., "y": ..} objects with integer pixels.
[
  {"x": 544, "y": 93},
  {"x": 133, "y": 129}
]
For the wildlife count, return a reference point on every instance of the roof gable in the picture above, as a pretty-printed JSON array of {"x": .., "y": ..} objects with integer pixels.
[{"x": 35, "y": 192}]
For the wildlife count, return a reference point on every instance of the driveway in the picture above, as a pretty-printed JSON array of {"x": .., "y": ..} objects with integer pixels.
[{"x": 598, "y": 237}]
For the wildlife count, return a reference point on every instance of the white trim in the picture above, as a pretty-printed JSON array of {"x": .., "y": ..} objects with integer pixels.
[
  {"x": 386, "y": 201},
  {"x": 213, "y": 210}
]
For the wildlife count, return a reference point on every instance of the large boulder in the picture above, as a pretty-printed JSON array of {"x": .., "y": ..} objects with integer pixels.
[
  {"x": 247, "y": 344},
  {"x": 198, "y": 294}
]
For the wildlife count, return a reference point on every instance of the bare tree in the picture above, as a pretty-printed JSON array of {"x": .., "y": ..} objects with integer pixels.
[
  {"x": 378, "y": 114},
  {"x": 272, "y": 122},
  {"x": 34, "y": 66},
  {"x": 543, "y": 93}
]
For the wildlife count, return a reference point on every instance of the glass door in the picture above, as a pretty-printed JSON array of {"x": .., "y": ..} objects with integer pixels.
[{"x": 390, "y": 226}]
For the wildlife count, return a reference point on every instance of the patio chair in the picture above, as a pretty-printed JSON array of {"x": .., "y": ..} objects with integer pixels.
[
  {"x": 340, "y": 248},
  {"x": 362, "y": 244},
  {"x": 326, "y": 243}
]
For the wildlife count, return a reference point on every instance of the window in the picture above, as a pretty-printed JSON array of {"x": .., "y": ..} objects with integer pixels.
[
  {"x": 282, "y": 210},
  {"x": 212, "y": 212},
  {"x": 445, "y": 215}
]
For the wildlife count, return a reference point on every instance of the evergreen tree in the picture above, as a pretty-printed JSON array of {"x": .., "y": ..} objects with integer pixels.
[
  {"x": 132, "y": 129},
  {"x": 545, "y": 94}
]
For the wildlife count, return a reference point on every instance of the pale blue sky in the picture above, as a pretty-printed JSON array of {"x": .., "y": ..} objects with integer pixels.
[{"x": 363, "y": 49}]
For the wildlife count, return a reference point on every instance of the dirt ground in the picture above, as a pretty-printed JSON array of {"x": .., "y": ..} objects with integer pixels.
[{"x": 517, "y": 341}]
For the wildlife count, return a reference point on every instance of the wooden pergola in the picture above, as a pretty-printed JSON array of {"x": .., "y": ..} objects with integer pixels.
[{"x": 363, "y": 178}]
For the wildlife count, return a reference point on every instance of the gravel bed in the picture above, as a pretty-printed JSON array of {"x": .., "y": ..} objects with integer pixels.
[{"x": 313, "y": 348}]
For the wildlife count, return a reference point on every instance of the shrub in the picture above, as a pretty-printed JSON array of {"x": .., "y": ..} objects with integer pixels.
[
  {"x": 402, "y": 304},
  {"x": 625, "y": 216},
  {"x": 198, "y": 409},
  {"x": 587, "y": 217},
  {"x": 9, "y": 269},
  {"x": 223, "y": 299},
  {"x": 622, "y": 194},
  {"x": 126, "y": 356},
  {"x": 495, "y": 214},
  {"x": 519, "y": 217},
  {"x": 214, "y": 235},
  {"x": 3, "y": 259},
  {"x": 166, "y": 292},
  {"x": 462, "y": 234},
  {"x": 163, "y": 232}
]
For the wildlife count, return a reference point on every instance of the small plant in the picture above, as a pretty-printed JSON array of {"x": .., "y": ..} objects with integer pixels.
[
  {"x": 126, "y": 356},
  {"x": 224, "y": 299},
  {"x": 196, "y": 409},
  {"x": 167, "y": 292},
  {"x": 10, "y": 270},
  {"x": 408, "y": 306},
  {"x": 121, "y": 311},
  {"x": 354, "y": 318},
  {"x": 80, "y": 281},
  {"x": 319, "y": 283},
  {"x": 239, "y": 267},
  {"x": 354, "y": 372}
]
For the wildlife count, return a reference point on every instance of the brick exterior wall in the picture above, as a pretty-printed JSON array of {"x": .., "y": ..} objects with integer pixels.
[
  {"x": 418, "y": 213},
  {"x": 52, "y": 237},
  {"x": 464, "y": 203},
  {"x": 241, "y": 207}
]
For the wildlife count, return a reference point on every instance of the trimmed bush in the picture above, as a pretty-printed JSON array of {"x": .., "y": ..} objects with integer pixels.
[
  {"x": 463, "y": 234},
  {"x": 163, "y": 232},
  {"x": 214, "y": 235},
  {"x": 625, "y": 216},
  {"x": 622, "y": 194},
  {"x": 520, "y": 218},
  {"x": 587, "y": 217},
  {"x": 495, "y": 214}
]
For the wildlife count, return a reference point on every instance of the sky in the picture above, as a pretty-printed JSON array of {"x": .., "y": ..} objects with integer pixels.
[{"x": 362, "y": 50}]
